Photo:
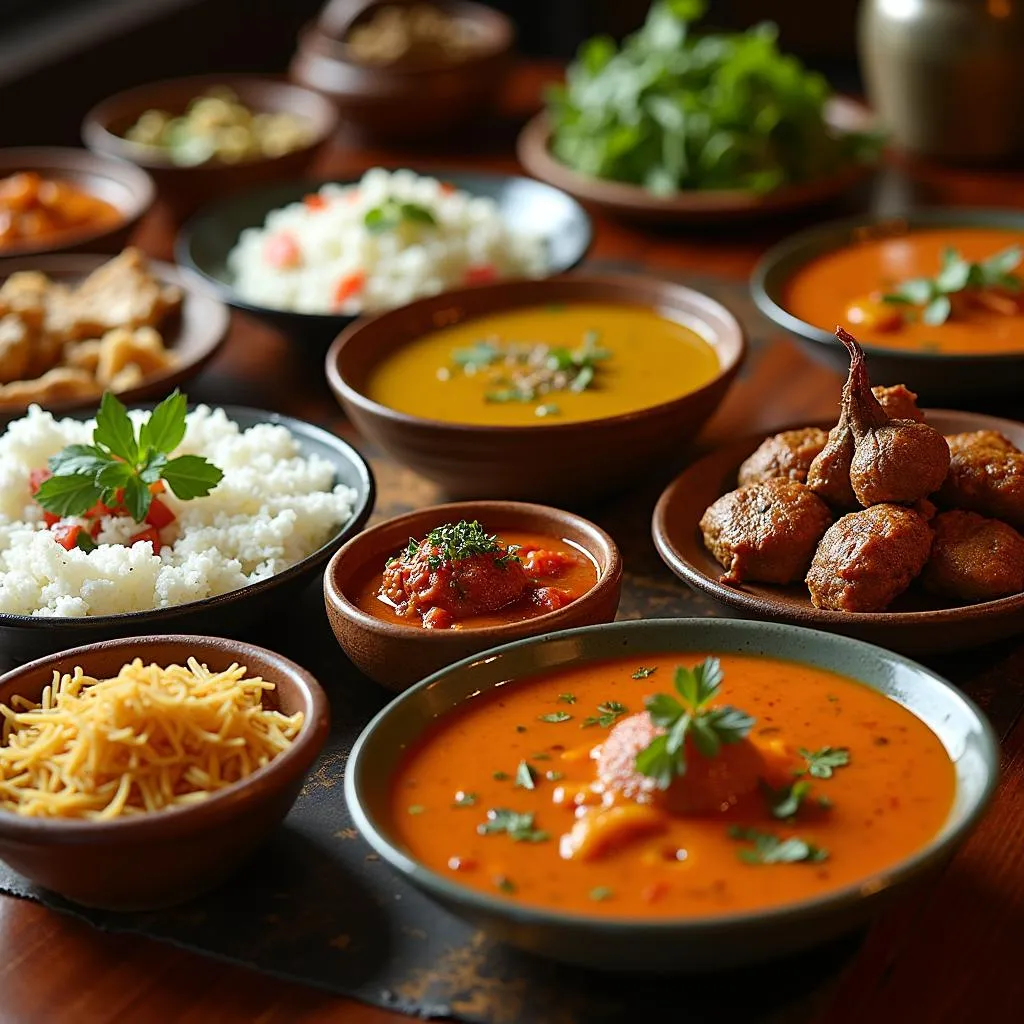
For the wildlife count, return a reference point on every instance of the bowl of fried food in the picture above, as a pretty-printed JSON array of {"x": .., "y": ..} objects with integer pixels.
[
  {"x": 898, "y": 525},
  {"x": 72, "y": 327}
]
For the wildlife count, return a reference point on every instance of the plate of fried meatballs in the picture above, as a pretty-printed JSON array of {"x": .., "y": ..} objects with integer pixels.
[{"x": 897, "y": 525}]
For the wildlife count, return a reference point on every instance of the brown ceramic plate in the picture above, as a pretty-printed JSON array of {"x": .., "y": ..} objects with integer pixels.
[
  {"x": 915, "y": 624},
  {"x": 633, "y": 202},
  {"x": 398, "y": 656},
  {"x": 186, "y": 188},
  {"x": 561, "y": 462},
  {"x": 194, "y": 334},
  {"x": 148, "y": 861},
  {"x": 129, "y": 189}
]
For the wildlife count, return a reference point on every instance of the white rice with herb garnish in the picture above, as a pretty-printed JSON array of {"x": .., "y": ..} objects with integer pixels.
[
  {"x": 272, "y": 508},
  {"x": 390, "y": 238}
]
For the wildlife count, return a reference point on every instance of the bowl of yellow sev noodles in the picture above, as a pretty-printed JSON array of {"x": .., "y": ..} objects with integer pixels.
[{"x": 138, "y": 773}]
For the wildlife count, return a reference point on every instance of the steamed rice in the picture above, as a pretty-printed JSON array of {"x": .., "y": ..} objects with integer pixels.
[
  {"x": 272, "y": 508},
  {"x": 399, "y": 265}
]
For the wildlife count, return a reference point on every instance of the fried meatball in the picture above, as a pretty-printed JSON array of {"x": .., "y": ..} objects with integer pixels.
[
  {"x": 868, "y": 558},
  {"x": 765, "y": 531},
  {"x": 974, "y": 558},
  {"x": 899, "y": 402},
  {"x": 788, "y": 454},
  {"x": 986, "y": 475},
  {"x": 710, "y": 785}
]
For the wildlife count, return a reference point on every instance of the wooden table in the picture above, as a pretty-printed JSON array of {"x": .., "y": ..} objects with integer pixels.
[{"x": 948, "y": 954}]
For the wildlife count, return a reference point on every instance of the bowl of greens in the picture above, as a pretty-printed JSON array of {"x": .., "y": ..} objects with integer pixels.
[{"x": 674, "y": 124}]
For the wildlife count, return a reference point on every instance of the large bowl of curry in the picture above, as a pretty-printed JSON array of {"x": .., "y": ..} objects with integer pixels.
[
  {"x": 935, "y": 296},
  {"x": 555, "y": 390},
  {"x": 675, "y": 794}
]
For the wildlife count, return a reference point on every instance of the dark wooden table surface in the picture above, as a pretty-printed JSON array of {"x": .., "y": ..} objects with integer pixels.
[{"x": 946, "y": 955}]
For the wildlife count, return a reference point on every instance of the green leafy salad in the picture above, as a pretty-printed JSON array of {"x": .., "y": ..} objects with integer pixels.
[{"x": 671, "y": 110}]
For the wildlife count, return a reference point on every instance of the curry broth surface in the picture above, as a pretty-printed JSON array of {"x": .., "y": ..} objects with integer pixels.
[
  {"x": 890, "y": 800},
  {"x": 820, "y": 292},
  {"x": 653, "y": 360}
]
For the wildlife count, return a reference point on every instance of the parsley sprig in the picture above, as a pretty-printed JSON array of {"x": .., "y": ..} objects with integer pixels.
[
  {"x": 120, "y": 464},
  {"x": 691, "y": 718},
  {"x": 821, "y": 763},
  {"x": 608, "y": 713},
  {"x": 768, "y": 848},
  {"x": 517, "y": 826}
]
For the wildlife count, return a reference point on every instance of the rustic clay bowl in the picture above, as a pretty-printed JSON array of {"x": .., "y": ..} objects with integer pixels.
[
  {"x": 184, "y": 189},
  {"x": 23, "y": 637},
  {"x": 559, "y": 462},
  {"x": 976, "y": 380},
  {"x": 130, "y": 190},
  {"x": 695, "y": 206},
  {"x": 194, "y": 334},
  {"x": 685, "y": 944},
  {"x": 156, "y": 860},
  {"x": 397, "y": 656},
  {"x": 916, "y": 623},
  {"x": 402, "y": 103}
]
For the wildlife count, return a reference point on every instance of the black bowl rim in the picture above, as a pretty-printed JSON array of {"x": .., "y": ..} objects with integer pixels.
[
  {"x": 811, "y": 243},
  {"x": 930, "y": 855},
  {"x": 238, "y": 795},
  {"x": 47, "y": 159},
  {"x": 701, "y": 302},
  {"x": 328, "y": 321},
  {"x": 367, "y": 492}
]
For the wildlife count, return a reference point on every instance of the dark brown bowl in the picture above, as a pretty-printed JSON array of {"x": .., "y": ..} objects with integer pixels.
[
  {"x": 916, "y": 623},
  {"x": 560, "y": 462},
  {"x": 395, "y": 103},
  {"x": 129, "y": 189},
  {"x": 184, "y": 189},
  {"x": 695, "y": 206},
  {"x": 194, "y": 334},
  {"x": 156, "y": 860},
  {"x": 398, "y": 656}
]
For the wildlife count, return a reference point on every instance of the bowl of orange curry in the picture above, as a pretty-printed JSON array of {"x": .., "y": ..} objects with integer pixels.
[
  {"x": 426, "y": 589},
  {"x": 936, "y": 298},
  {"x": 675, "y": 794}
]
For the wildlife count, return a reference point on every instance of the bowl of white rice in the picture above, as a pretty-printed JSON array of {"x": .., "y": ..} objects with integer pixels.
[
  {"x": 291, "y": 495},
  {"x": 310, "y": 257}
]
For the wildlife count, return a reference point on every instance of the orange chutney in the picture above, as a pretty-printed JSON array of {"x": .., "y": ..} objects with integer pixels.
[
  {"x": 821, "y": 292},
  {"x": 886, "y": 803}
]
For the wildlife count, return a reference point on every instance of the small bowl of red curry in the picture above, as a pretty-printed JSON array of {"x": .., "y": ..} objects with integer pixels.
[
  {"x": 936, "y": 298},
  {"x": 425, "y": 589},
  {"x": 675, "y": 794}
]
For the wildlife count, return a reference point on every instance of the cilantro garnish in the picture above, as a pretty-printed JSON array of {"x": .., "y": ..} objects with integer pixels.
[
  {"x": 600, "y": 893},
  {"x": 517, "y": 826},
  {"x": 454, "y": 542},
  {"x": 464, "y": 799},
  {"x": 392, "y": 214},
  {"x": 526, "y": 776},
  {"x": 785, "y": 801},
  {"x": 554, "y": 716},
  {"x": 821, "y": 763},
  {"x": 567, "y": 698},
  {"x": 644, "y": 673},
  {"x": 608, "y": 714},
  {"x": 769, "y": 848},
  {"x": 119, "y": 466}
]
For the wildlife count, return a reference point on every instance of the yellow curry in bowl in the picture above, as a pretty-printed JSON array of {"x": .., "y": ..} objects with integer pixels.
[
  {"x": 948, "y": 291},
  {"x": 559, "y": 363},
  {"x": 663, "y": 788}
]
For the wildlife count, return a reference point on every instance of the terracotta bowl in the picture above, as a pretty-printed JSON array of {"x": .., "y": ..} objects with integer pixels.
[
  {"x": 916, "y": 623},
  {"x": 127, "y": 188},
  {"x": 397, "y": 104},
  {"x": 695, "y": 206},
  {"x": 397, "y": 656},
  {"x": 184, "y": 189},
  {"x": 560, "y": 462},
  {"x": 160, "y": 859},
  {"x": 194, "y": 334}
]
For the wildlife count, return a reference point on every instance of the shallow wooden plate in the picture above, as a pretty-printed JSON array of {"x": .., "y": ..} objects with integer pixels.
[
  {"x": 633, "y": 202},
  {"x": 915, "y": 624}
]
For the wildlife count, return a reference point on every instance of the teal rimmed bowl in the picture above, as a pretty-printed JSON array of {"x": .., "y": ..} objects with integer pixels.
[{"x": 691, "y": 943}]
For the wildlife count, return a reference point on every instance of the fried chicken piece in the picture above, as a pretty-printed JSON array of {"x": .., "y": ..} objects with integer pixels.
[
  {"x": 868, "y": 558},
  {"x": 974, "y": 558},
  {"x": 15, "y": 348},
  {"x": 122, "y": 349},
  {"x": 986, "y": 475},
  {"x": 765, "y": 531},
  {"x": 25, "y": 295},
  {"x": 899, "y": 402},
  {"x": 60, "y": 384},
  {"x": 788, "y": 454}
]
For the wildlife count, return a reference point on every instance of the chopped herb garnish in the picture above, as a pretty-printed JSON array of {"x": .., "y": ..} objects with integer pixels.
[
  {"x": 392, "y": 214},
  {"x": 416, "y": 808},
  {"x": 768, "y": 848},
  {"x": 542, "y": 756},
  {"x": 708, "y": 728},
  {"x": 600, "y": 893},
  {"x": 644, "y": 673},
  {"x": 518, "y": 826},
  {"x": 608, "y": 714},
  {"x": 501, "y": 776},
  {"x": 505, "y": 884},
  {"x": 824, "y": 803},
  {"x": 785, "y": 801},
  {"x": 553, "y": 776},
  {"x": 831, "y": 698},
  {"x": 567, "y": 698},
  {"x": 526, "y": 776},
  {"x": 554, "y": 716},
  {"x": 821, "y": 763},
  {"x": 464, "y": 799},
  {"x": 548, "y": 409}
]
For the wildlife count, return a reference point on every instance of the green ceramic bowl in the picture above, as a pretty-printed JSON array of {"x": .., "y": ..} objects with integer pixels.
[
  {"x": 684, "y": 944},
  {"x": 954, "y": 381}
]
